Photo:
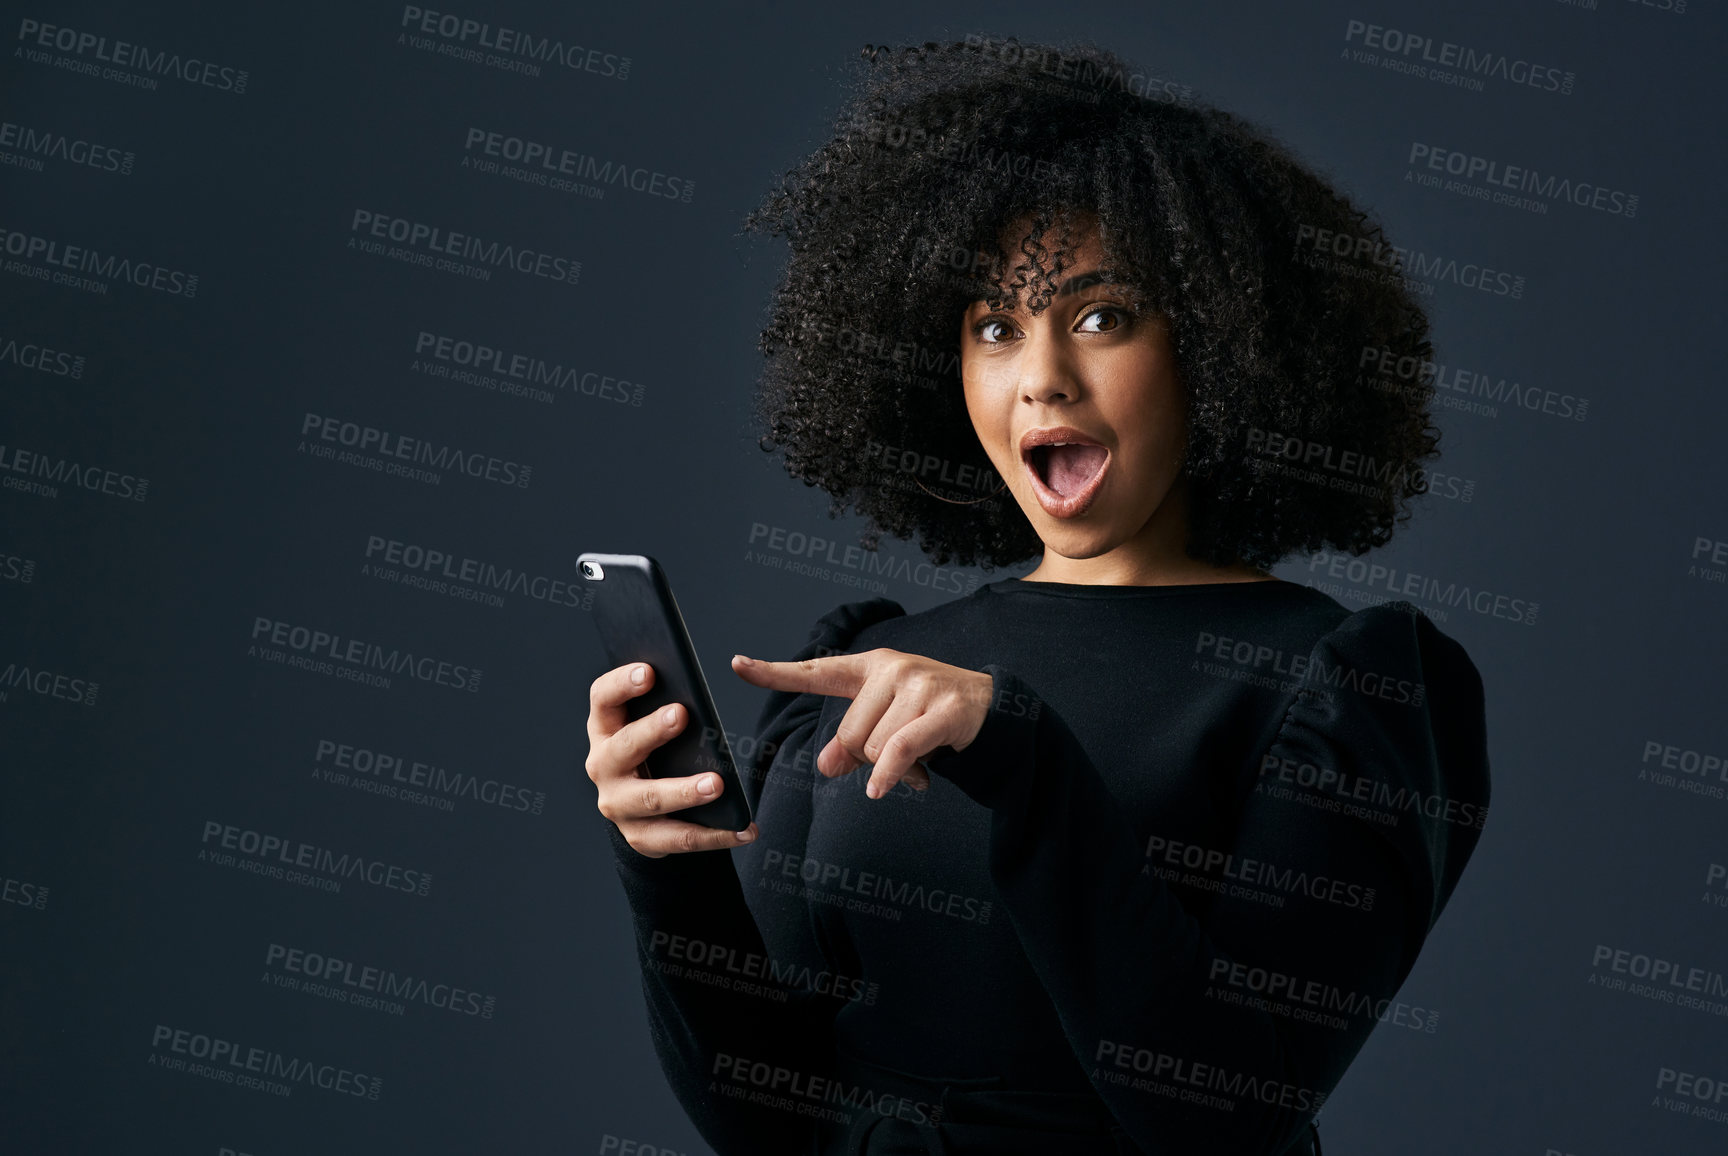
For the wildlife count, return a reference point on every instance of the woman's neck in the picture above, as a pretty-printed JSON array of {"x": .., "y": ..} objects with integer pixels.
[
  {"x": 1156, "y": 555},
  {"x": 1110, "y": 571}
]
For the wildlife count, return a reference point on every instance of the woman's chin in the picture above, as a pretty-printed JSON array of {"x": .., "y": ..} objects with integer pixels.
[{"x": 1077, "y": 539}]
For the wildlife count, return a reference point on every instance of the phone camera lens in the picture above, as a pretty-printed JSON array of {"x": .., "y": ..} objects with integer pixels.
[{"x": 589, "y": 570}]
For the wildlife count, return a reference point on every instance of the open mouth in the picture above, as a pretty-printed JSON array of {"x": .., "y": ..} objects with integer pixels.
[{"x": 1067, "y": 468}]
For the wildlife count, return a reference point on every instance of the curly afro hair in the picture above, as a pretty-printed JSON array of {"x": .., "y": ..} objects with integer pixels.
[{"x": 894, "y": 228}]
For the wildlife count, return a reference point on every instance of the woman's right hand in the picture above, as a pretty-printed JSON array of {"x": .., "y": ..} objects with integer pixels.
[{"x": 642, "y": 807}]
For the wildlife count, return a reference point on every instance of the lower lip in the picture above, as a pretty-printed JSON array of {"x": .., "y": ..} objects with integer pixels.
[{"x": 1075, "y": 504}]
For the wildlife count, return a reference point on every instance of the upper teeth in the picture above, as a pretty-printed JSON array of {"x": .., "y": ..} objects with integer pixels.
[{"x": 1058, "y": 443}]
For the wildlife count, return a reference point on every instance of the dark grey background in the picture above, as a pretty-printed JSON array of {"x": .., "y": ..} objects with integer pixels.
[{"x": 104, "y": 805}]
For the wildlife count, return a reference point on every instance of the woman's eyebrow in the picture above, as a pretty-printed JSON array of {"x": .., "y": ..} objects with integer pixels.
[
  {"x": 1082, "y": 281},
  {"x": 1075, "y": 284}
]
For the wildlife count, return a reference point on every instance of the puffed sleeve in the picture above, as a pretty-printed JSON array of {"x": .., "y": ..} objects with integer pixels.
[
  {"x": 1220, "y": 1024},
  {"x": 712, "y": 998}
]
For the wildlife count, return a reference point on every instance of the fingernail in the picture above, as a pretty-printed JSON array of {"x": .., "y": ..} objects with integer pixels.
[
  {"x": 707, "y": 785},
  {"x": 873, "y": 790},
  {"x": 638, "y": 674},
  {"x": 739, "y": 658},
  {"x": 746, "y": 835},
  {"x": 670, "y": 715}
]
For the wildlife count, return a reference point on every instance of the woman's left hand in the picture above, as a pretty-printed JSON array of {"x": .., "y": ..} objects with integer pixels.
[{"x": 903, "y": 707}]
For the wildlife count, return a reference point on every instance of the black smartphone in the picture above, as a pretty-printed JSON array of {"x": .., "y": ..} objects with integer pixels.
[{"x": 639, "y": 621}]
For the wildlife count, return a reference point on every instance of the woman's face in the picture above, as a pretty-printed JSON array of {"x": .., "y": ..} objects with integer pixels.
[{"x": 1087, "y": 372}]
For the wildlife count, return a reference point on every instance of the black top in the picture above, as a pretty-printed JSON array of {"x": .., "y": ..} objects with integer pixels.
[{"x": 1175, "y": 880}]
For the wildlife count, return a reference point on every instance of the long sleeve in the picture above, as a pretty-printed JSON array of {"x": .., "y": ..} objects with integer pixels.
[
  {"x": 714, "y": 1003},
  {"x": 1222, "y": 1025}
]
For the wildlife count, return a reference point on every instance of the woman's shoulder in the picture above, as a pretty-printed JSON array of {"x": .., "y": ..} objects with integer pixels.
[
  {"x": 1389, "y": 713},
  {"x": 1396, "y": 638}
]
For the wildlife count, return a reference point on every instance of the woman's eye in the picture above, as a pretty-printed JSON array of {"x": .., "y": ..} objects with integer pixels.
[
  {"x": 993, "y": 330},
  {"x": 1109, "y": 320}
]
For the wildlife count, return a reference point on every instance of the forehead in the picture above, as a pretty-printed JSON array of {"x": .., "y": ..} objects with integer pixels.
[
  {"x": 1085, "y": 273},
  {"x": 1071, "y": 228},
  {"x": 1075, "y": 235}
]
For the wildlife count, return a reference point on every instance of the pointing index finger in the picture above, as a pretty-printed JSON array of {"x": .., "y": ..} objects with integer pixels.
[{"x": 840, "y": 674}]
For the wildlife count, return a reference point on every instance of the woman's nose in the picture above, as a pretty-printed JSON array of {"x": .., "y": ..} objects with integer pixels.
[{"x": 1047, "y": 371}]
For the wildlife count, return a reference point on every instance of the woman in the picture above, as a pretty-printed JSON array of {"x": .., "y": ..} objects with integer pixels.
[{"x": 1150, "y": 838}]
